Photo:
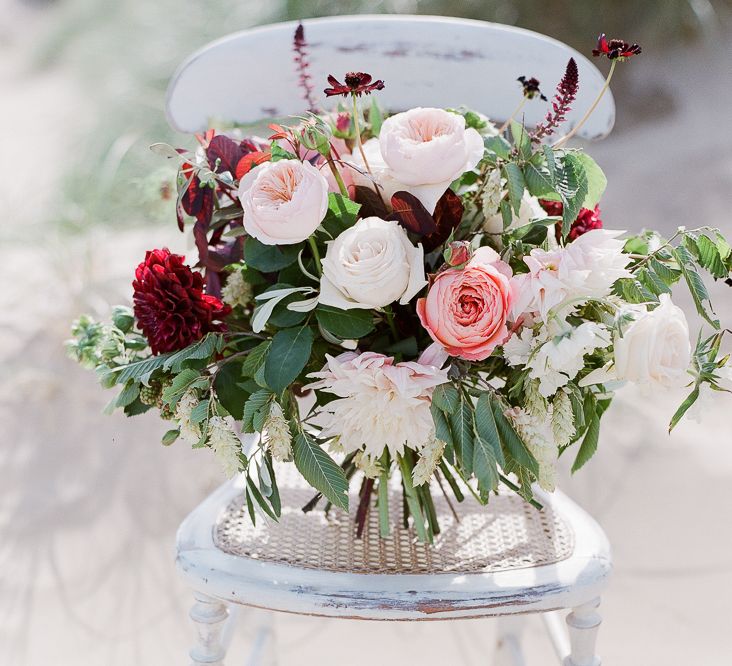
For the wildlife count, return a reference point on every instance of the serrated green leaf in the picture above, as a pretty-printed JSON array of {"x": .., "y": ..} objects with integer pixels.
[
  {"x": 203, "y": 349},
  {"x": 288, "y": 355},
  {"x": 596, "y": 180},
  {"x": 521, "y": 139},
  {"x": 252, "y": 487},
  {"x": 320, "y": 470},
  {"x": 199, "y": 412},
  {"x": 184, "y": 380},
  {"x": 485, "y": 464},
  {"x": 515, "y": 184},
  {"x": 589, "y": 443},
  {"x": 498, "y": 145},
  {"x": 252, "y": 406},
  {"x": 669, "y": 275},
  {"x": 709, "y": 257},
  {"x": 487, "y": 428},
  {"x": 342, "y": 214},
  {"x": 250, "y": 507},
  {"x": 127, "y": 395},
  {"x": 683, "y": 408},
  {"x": 696, "y": 284},
  {"x": 446, "y": 397},
  {"x": 269, "y": 258},
  {"x": 461, "y": 426},
  {"x": 538, "y": 180},
  {"x": 260, "y": 417},
  {"x": 571, "y": 184},
  {"x": 345, "y": 324},
  {"x": 648, "y": 278},
  {"x": 514, "y": 447},
  {"x": 723, "y": 247},
  {"x": 255, "y": 359},
  {"x": 274, "y": 496},
  {"x": 442, "y": 428}
]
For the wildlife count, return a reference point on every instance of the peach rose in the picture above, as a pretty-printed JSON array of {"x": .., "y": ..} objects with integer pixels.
[
  {"x": 284, "y": 202},
  {"x": 466, "y": 309}
]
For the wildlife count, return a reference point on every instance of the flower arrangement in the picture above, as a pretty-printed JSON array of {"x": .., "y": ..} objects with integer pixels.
[{"x": 420, "y": 294}]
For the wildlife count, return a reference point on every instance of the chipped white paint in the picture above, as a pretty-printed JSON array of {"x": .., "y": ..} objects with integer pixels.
[
  {"x": 424, "y": 60},
  {"x": 209, "y": 615}
]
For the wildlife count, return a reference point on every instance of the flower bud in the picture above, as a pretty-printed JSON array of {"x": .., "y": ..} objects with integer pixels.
[{"x": 457, "y": 253}]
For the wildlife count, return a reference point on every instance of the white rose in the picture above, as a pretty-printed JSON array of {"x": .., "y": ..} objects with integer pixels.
[
  {"x": 283, "y": 202},
  {"x": 654, "y": 350},
  {"x": 371, "y": 265},
  {"x": 421, "y": 151}
]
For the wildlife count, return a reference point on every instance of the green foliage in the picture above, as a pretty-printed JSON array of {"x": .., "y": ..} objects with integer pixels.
[
  {"x": 320, "y": 470},
  {"x": 342, "y": 214},
  {"x": 447, "y": 398},
  {"x": 696, "y": 285},
  {"x": 288, "y": 355},
  {"x": 461, "y": 426},
  {"x": 515, "y": 183},
  {"x": 256, "y": 409},
  {"x": 345, "y": 324},
  {"x": 269, "y": 258}
]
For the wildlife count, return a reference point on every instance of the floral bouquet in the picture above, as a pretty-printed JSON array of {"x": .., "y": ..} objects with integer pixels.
[{"x": 422, "y": 294}]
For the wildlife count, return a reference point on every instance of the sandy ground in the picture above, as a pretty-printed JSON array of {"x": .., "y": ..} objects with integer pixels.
[{"x": 90, "y": 504}]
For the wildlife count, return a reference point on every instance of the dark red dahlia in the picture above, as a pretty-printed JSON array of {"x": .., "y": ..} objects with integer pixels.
[
  {"x": 587, "y": 220},
  {"x": 615, "y": 49},
  {"x": 357, "y": 83},
  {"x": 170, "y": 307}
]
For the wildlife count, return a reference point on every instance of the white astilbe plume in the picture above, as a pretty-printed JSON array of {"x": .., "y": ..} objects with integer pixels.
[
  {"x": 562, "y": 418},
  {"x": 429, "y": 458},
  {"x": 535, "y": 402},
  {"x": 368, "y": 465},
  {"x": 225, "y": 443},
  {"x": 538, "y": 438},
  {"x": 493, "y": 192},
  {"x": 276, "y": 434},
  {"x": 190, "y": 433},
  {"x": 236, "y": 291}
]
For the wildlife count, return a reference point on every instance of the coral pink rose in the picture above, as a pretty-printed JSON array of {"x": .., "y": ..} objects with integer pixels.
[{"x": 465, "y": 310}]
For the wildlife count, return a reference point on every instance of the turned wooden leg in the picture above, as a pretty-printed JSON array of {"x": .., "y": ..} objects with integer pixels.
[
  {"x": 508, "y": 641},
  {"x": 583, "y": 622},
  {"x": 209, "y": 615}
]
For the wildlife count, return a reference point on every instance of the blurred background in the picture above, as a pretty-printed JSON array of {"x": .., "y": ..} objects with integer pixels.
[{"x": 89, "y": 504}]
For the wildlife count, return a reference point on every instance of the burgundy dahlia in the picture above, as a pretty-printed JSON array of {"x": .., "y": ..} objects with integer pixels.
[
  {"x": 357, "y": 83},
  {"x": 587, "y": 220},
  {"x": 170, "y": 307}
]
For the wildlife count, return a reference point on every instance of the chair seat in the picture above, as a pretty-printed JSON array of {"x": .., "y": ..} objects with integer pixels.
[{"x": 506, "y": 557}]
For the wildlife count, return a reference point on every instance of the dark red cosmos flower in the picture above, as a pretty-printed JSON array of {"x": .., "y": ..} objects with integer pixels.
[
  {"x": 356, "y": 84},
  {"x": 587, "y": 220},
  {"x": 170, "y": 307},
  {"x": 531, "y": 87},
  {"x": 615, "y": 49}
]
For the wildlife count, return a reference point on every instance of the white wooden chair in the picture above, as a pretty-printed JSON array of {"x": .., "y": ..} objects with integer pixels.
[{"x": 504, "y": 560}]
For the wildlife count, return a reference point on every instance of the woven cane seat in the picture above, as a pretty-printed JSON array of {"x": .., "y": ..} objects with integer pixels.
[{"x": 506, "y": 534}]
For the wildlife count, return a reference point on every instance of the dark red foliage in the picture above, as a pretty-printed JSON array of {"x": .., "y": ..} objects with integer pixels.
[
  {"x": 448, "y": 215},
  {"x": 561, "y": 103},
  {"x": 356, "y": 83},
  {"x": 434, "y": 229},
  {"x": 411, "y": 214},
  {"x": 170, "y": 307},
  {"x": 372, "y": 205},
  {"x": 197, "y": 201},
  {"x": 615, "y": 49},
  {"x": 587, "y": 220}
]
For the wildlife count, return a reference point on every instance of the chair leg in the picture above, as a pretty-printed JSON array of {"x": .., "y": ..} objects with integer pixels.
[
  {"x": 508, "y": 641},
  {"x": 583, "y": 622},
  {"x": 209, "y": 616}
]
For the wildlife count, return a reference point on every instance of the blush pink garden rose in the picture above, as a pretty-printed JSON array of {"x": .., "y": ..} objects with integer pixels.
[
  {"x": 420, "y": 151},
  {"x": 466, "y": 310},
  {"x": 283, "y": 201}
]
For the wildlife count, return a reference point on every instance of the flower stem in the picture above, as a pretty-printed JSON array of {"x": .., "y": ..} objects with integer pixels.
[
  {"x": 574, "y": 130},
  {"x": 316, "y": 254},
  {"x": 337, "y": 175},
  {"x": 513, "y": 115},
  {"x": 357, "y": 129},
  {"x": 390, "y": 320}
]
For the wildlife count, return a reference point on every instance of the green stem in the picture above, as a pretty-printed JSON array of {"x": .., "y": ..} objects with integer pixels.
[
  {"x": 357, "y": 130},
  {"x": 513, "y": 115},
  {"x": 390, "y": 320},
  {"x": 506, "y": 481},
  {"x": 383, "y": 502},
  {"x": 415, "y": 509},
  {"x": 567, "y": 137},
  {"x": 337, "y": 175},
  {"x": 316, "y": 254}
]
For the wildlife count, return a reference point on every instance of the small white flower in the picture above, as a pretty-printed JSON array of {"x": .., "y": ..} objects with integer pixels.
[
  {"x": 429, "y": 457},
  {"x": 276, "y": 434},
  {"x": 190, "y": 433},
  {"x": 236, "y": 291},
  {"x": 225, "y": 443},
  {"x": 368, "y": 465},
  {"x": 537, "y": 436}
]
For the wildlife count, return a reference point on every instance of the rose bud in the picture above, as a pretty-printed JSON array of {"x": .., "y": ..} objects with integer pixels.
[{"x": 457, "y": 253}]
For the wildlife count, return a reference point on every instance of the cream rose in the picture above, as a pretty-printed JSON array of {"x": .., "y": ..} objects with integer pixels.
[
  {"x": 283, "y": 202},
  {"x": 371, "y": 265},
  {"x": 421, "y": 151},
  {"x": 654, "y": 349}
]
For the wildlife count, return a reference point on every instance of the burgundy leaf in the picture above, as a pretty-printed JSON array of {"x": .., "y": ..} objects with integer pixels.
[
  {"x": 372, "y": 205},
  {"x": 227, "y": 151},
  {"x": 411, "y": 214},
  {"x": 448, "y": 215}
]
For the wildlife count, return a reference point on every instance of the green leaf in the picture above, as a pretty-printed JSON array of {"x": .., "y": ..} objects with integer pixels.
[
  {"x": 487, "y": 428},
  {"x": 345, "y": 324},
  {"x": 669, "y": 275},
  {"x": 630, "y": 290},
  {"x": 252, "y": 487},
  {"x": 342, "y": 214},
  {"x": 170, "y": 436},
  {"x": 596, "y": 180},
  {"x": 446, "y": 397},
  {"x": 710, "y": 258},
  {"x": 274, "y": 496},
  {"x": 723, "y": 246},
  {"x": 538, "y": 180},
  {"x": 375, "y": 117},
  {"x": 228, "y": 388},
  {"x": 203, "y": 349},
  {"x": 279, "y": 153},
  {"x": 269, "y": 258},
  {"x": 513, "y": 444},
  {"x": 288, "y": 355},
  {"x": 199, "y": 412},
  {"x": 181, "y": 383},
  {"x": 498, "y": 145},
  {"x": 515, "y": 183},
  {"x": 461, "y": 426},
  {"x": 521, "y": 139},
  {"x": 589, "y": 443},
  {"x": 652, "y": 282},
  {"x": 250, "y": 508},
  {"x": 320, "y": 470},
  {"x": 696, "y": 284},
  {"x": 255, "y": 359},
  {"x": 684, "y": 407},
  {"x": 383, "y": 505},
  {"x": 442, "y": 428},
  {"x": 252, "y": 406},
  {"x": 485, "y": 464},
  {"x": 571, "y": 184},
  {"x": 128, "y": 394}
]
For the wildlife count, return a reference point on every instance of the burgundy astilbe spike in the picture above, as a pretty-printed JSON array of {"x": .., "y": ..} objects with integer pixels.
[
  {"x": 300, "y": 46},
  {"x": 561, "y": 103}
]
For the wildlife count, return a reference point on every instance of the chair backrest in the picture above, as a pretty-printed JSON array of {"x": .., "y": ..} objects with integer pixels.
[{"x": 424, "y": 61}]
